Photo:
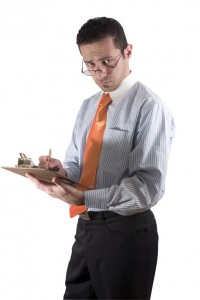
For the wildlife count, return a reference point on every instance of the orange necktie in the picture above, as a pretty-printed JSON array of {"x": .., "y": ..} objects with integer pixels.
[{"x": 93, "y": 150}]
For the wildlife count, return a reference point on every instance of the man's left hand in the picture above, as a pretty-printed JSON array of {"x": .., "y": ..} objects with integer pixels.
[{"x": 60, "y": 190}]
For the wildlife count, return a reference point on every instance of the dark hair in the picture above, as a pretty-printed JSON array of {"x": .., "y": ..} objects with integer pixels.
[{"x": 96, "y": 29}]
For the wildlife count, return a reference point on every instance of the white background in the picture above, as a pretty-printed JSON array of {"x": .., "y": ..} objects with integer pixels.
[{"x": 41, "y": 90}]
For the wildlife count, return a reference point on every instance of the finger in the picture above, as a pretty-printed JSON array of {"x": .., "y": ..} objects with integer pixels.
[
  {"x": 61, "y": 188},
  {"x": 32, "y": 178},
  {"x": 66, "y": 188},
  {"x": 43, "y": 162},
  {"x": 42, "y": 185},
  {"x": 55, "y": 169},
  {"x": 71, "y": 189},
  {"x": 58, "y": 181}
]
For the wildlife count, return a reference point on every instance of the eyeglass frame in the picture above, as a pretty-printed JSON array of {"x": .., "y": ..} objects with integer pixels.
[{"x": 100, "y": 70}]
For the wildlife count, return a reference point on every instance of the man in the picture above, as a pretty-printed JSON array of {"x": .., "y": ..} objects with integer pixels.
[{"x": 115, "y": 251}]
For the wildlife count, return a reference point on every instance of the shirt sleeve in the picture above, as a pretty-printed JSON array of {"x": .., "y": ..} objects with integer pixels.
[
  {"x": 71, "y": 161},
  {"x": 147, "y": 165}
]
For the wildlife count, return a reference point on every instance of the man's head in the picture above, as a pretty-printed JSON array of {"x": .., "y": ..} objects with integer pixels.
[
  {"x": 97, "y": 29},
  {"x": 106, "y": 53}
]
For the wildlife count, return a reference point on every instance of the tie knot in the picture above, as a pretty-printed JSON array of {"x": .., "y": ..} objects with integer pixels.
[{"x": 105, "y": 99}]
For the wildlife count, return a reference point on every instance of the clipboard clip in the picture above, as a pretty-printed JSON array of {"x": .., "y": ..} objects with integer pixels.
[{"x": 25, "y": 162}]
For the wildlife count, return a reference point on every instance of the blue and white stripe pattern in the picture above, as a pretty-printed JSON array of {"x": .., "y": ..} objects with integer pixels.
[{"x": 135, "y": 151}]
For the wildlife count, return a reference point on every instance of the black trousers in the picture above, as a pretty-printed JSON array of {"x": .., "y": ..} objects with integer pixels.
[{"x": 113, "y": 257}]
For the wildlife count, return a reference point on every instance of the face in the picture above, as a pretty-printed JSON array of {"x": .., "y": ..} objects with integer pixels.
[{"x": 99, "y": 55}]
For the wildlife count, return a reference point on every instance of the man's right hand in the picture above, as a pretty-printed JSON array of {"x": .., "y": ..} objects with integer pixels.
[{"x": 52, "y": 164}]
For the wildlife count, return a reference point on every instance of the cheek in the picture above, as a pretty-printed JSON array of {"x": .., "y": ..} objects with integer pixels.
[{"x": 117, "y": 77}]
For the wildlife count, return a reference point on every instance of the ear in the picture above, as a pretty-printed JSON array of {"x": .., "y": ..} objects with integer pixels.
[{"x": 128, "y": 51}]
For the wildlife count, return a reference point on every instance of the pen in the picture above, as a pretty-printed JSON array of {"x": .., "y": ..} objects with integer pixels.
[
  {"x": 48, "y": 158},
  {"x": 56, "y": 168}
]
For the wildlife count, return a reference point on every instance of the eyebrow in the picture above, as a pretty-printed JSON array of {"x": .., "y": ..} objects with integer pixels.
[{"x": 91, "y": 61}]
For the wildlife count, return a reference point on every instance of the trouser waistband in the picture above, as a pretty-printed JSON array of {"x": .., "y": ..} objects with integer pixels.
[
  {"x": 103, "y": 215},
  {"x": 98, "y": 215}
]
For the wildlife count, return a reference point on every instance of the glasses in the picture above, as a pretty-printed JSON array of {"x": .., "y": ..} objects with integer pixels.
[{"x": 106, "y": 64}]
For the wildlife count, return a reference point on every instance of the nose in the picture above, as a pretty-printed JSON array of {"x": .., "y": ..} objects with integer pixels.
[{"x": 101, "y": 73}]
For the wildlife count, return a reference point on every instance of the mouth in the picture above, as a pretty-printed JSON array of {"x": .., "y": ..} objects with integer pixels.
[{"x": 104, "y": 82}]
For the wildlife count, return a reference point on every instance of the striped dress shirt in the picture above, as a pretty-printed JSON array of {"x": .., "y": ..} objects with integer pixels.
[{"x": 135, "y": 151}]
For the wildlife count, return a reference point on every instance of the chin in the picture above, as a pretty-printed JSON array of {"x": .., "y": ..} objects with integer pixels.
[{"x": 106, "y": 88}]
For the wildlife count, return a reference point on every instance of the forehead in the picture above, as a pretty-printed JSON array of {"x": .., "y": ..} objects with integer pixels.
[{"x": 98, "y": 50}]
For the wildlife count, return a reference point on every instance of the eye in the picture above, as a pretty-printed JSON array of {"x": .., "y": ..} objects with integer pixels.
[
  {"x": 90, "y": 64},
  {"x": 107, "y": 62}
]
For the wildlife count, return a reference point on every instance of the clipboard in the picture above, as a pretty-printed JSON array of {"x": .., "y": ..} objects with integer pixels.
[
  {"x": 26, "y": 165},
  {"x": 45, "y": 175}
]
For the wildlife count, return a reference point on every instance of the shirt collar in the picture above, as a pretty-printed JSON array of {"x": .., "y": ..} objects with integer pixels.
[{"x": 123, "y": 89}]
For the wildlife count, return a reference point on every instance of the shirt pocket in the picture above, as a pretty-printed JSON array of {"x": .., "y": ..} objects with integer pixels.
[{"x": 116, "y": 149}]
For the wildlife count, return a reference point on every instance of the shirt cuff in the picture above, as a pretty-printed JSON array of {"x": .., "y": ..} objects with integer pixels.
[{"x": 96, "y": 199}]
